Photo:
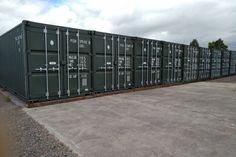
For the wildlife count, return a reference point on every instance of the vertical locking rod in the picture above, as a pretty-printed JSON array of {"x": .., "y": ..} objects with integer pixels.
[{"x": 46, "y": 60}]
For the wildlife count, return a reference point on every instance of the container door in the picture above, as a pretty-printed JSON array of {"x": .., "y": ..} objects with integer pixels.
[
  {"x": 178, "y": 63},
  {"x": 187, "y": 63},
  {"x": 103, "y": 62},
  {"x": 124, "y": 63},
  {"x": 44, "y": 56},
  {"x": 158, "y": 62},
  {"x": 203, "y": 64},
  {"x": 167, "y": 63},
  {"x": 140, "y": 63},
  {"x": 195, "y": 63},
  {"x": 155, "y": 63},
  {"x": 77, "y": 74},
  {"x": 145, "y": 62},
  {"x": 171, "y": 63}
]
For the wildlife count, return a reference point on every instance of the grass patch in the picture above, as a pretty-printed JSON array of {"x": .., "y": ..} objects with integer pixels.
[{"x": 7, "y": 99}]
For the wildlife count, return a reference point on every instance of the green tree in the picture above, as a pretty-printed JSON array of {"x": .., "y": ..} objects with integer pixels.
[
  {"x": 218, "y": 44},
  {"x": 194, "y": 43}
]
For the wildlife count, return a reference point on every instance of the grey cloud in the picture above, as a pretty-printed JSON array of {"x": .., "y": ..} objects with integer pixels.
[{"x": 205, "y": 21}]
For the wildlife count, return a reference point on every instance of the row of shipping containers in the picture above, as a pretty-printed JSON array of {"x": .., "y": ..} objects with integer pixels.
[{"x": 40, "y": 62}]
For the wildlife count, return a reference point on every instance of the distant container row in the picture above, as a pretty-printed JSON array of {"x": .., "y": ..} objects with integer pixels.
[{"x": 40, "y": 62}]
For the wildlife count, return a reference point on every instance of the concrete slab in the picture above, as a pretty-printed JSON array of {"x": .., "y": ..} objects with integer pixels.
[{"x": 197, "y": 119}]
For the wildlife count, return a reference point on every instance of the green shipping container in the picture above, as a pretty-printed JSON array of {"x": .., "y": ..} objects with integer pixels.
[
  {"x": 190, "y": 63},
  {"x": 232, "y": 62},
  {"x": 204, "y": 64},
  {"x": 40, "y": 62},
  {"x": 215, "y": 63},
  {"x": 46, "y": 62},
  {"x": 113, "y": 62},
  {"x": 147, "y": 62},
  {"x": 172, "y": 62},
  {"x": 225, "y": 63}
]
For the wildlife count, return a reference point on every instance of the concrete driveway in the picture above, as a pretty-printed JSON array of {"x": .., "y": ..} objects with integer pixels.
[{"x": 192, "y": 120}]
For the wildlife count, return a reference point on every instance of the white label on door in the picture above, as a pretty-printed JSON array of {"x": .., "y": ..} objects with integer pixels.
[
  {"x": 72, "y": 76},
  {"x": 84, "y": 81},
  {"x": 128, "y": 78},
  {"x": 72, "y": 57},
  {"x": 52, "y": 63},
  {"x": 73, "y": 41}
]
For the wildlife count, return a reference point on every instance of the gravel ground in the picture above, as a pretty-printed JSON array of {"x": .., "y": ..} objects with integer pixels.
[{"x": 24, "y": 137}]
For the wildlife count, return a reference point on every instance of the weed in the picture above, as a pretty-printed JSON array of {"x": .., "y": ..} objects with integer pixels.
[{"x": 7, "y": 99}]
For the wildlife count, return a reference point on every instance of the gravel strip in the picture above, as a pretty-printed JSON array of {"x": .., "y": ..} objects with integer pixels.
[{"x": 26, "y": 137}]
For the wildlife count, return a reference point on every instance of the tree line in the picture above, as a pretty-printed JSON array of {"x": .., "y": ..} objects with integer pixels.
[{"x": 218, "y": 44}]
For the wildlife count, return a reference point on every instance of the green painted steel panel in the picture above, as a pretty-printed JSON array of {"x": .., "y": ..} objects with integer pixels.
[
  {"x": 12, "y": 57},
  {"x": 204, "y": 64},
  {"x": 53, "y": 55},
  {"x": 233, "y": 69},
  {"x": 232, "y": 62},
  {"x": 113, "y": 62},
  {"x": 147, "y": 62},
  {"x": 77, "y": 52},
  {"x": 215, "y": 63},
  {"x": 172, "y": 76},
  {"x": 191, "y": 57},
  {"x": 225, "y": 63},
  {"x": 50, "y": 57},
  {"x": 215, "y": 73},
  {"x": 172, "y": 62}
]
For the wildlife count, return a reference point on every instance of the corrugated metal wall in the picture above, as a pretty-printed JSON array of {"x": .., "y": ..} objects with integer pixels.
[{"x": 12, "y": 57}]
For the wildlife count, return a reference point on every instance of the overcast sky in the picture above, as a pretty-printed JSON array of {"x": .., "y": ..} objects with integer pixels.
[{"x": 172, "y": 20}]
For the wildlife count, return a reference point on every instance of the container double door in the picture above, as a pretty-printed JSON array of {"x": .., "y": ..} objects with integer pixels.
[
  {"x": 147, "y": 62},
  {"x": 225, "y": 63},
  {"x": 215, "y": 63},
  {"x": 172, "y": 63},
  {"x": 232, "y": 62},
  {"x": 113, "y": 62},
  {"x": 190, "y": 63},
  {"x": 58, "y": 62},
  {"x": 204, "y": 63}
]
